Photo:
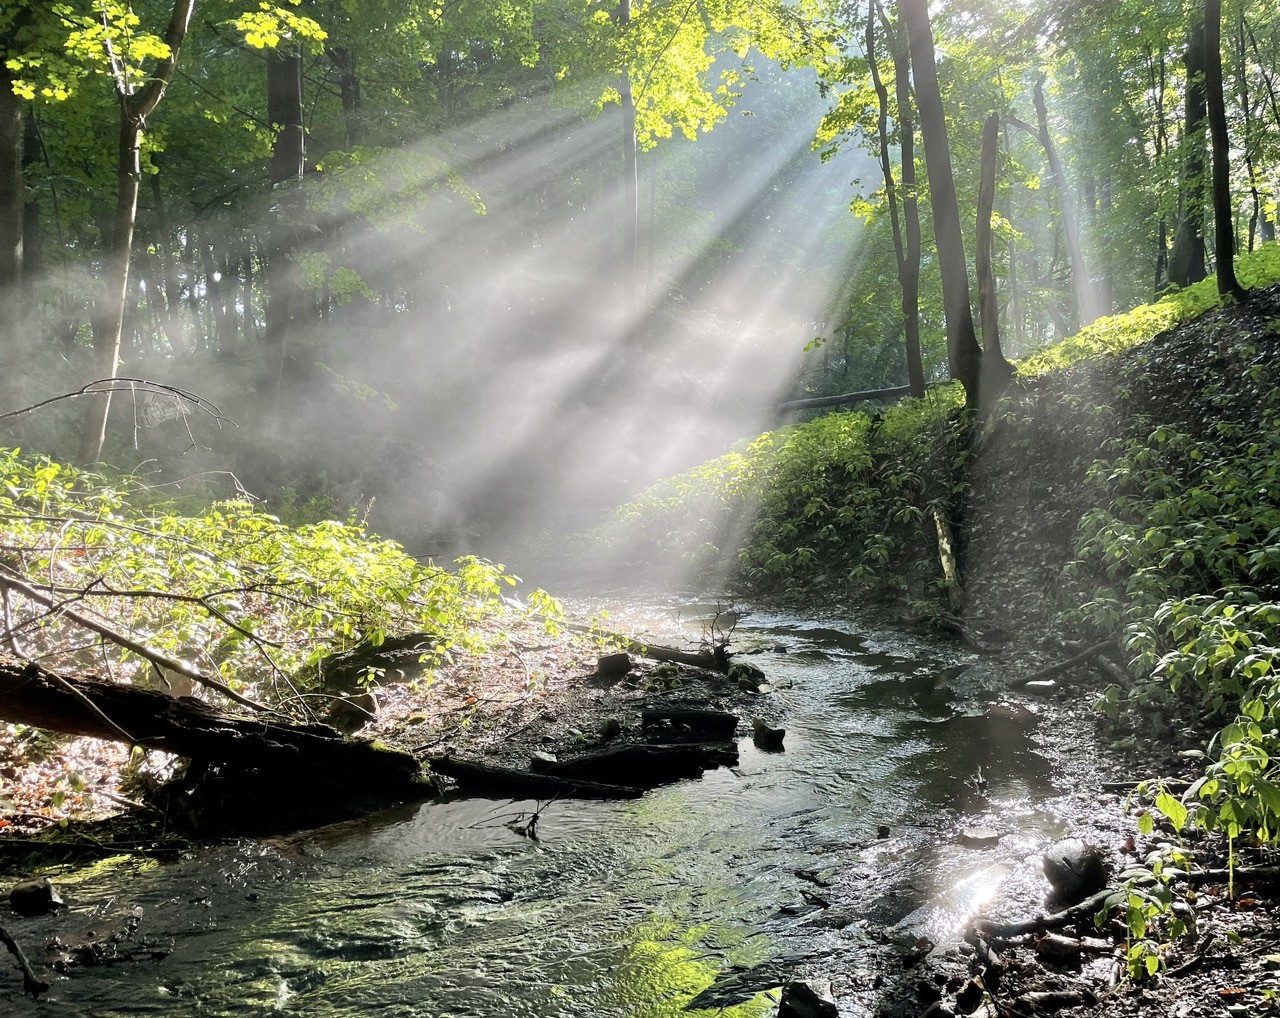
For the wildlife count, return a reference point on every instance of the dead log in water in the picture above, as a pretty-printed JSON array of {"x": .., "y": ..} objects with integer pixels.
[
  {"x": 507, "y": 783},
  {"x": 309, "y": 761},
  {"x": 645, "y": 766}
]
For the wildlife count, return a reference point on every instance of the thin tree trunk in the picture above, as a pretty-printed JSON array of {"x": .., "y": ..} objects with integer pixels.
[
  {"x": 12, "y": 199},
  {"x": 1187, "y": 259},
  {"x": 964, "y": 356},
  {"x": 1081, "y": 286},
  {"x": 134, "y": 108},
  {"x": 284, "y": 105},
  {"x": 349, "y": 91},
  {"x": 1224, "y": 235},
  {"x": 630, "y": 181},
  {"x": 172, "y": 324},
  {"x": 908, "y": 274},
  {"x": 988, "y": 306}
]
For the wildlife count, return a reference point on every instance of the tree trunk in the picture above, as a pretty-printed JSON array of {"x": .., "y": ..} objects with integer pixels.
[
  {"x": 349, "y": 91},
  {"x": 630, "y": 183},
  {"x": 307, "y": 756},
  {"x": 1086, "y": 303},
  {"x": 12, "y": 194},
  {"x": 109, "y": 317},
  {"x": 1224, "y": 234},
  {"x": 907, "y": 253},
  {"x": 964, "y": 356},
  {"x": 988, "y": 306},
  {"x": 288, "y": 157},
  {"x": 1186, "y": 260}
]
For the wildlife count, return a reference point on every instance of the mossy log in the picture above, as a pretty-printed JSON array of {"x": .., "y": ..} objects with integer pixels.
[{"x": 310, "y": 759}]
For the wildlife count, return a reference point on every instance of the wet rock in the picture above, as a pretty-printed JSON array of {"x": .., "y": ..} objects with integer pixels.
[
  {"x": 740, "y": 671},
  {"x": 1042, "y": 687},
  {"x": 882, "y": 831},
  {"x": 803, "y": 998},
  {"x": 979, "y": 837},
  {"x": 970, "y": 996},
  {"x": 540, "y": 761},
  {"x": 766, "y": 738},
  {"x": 1074, "y": 869},
  {"x": 35, "y": 897}
]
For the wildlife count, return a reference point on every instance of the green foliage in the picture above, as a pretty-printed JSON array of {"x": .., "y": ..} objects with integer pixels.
[
  {"x": 1114, "y": 333},
  {"x": 832, "y": 497},
  {"x": 227, "y": 587}
]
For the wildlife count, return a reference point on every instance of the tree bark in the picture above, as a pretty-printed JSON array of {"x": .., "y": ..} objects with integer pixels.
[
  {"x": 906, "y": 249},
  {"x": 846, "y": 398},
  {"x": 964, "y": 356},
  {"x": 12, "y": 200},
  {"x": 344, "y": 60},
  {"x": 109, "y": 317},
  {"x": 988, "y": 306},
  {"x": 1224, "y": 234},
  {"x": 1187, "y": 259}
]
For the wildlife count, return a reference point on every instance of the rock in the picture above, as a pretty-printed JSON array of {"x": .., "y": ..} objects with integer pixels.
[
  {"x": 610, "y": 728},
  {"x": 979, "y": 837},
  {"x": 1044, "y": 687},
  {"x": 35, "y": 897},
  {"x": 970, "y": 996},
  {"x": 803, "y": 998},
  {"x": 765, "y": 737},
  {"x": 351, "y": 713},
  {"x": 613, "y": 665},
  {"x": 540, "y": 761},
  {"x": 882, "y": 831},
  {"x": 1074, "y": 869}
]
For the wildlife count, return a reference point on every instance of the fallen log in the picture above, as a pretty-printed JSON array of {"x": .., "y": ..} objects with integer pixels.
[
  {"x": 645, "y": 766},
  {"x": 709, "y": 724},
  {"x": 716, "y": 661},
  {"x": 1081, "y": 912},
  {"x": 1062, "y": 666},
  {"x": 314, "y": 761},
  {"x": 508, "y": 783},
  {"x": 814, "y": 402}
]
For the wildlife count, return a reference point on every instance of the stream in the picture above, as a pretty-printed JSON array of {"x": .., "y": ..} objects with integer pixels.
[{"x": 621, "y": 908}]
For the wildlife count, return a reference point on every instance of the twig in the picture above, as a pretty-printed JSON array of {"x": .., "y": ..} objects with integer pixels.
[
  {"x": 30, "y": 984},
  {"x": 128, "y": 643},
  {"x": 125, "y": 384}
]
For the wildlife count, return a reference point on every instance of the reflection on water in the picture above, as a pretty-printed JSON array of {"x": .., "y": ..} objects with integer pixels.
[{"x": 622, "y": 909}]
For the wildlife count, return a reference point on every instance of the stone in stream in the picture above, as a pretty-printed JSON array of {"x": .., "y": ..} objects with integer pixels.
[
  {"x": 766, "y": 738},
  {"x": 35, "y": 897},
  {"x": 1074, "y": 869},
  {"x": 979, "y": 837},
  {"x": 805, "y": 998}
]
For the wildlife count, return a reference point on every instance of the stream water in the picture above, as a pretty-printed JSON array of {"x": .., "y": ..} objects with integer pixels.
[{"x": 622, "y": 908}]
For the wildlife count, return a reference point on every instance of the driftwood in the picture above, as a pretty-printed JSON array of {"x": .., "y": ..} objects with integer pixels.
[
  {"x": 716, "y": 661},
  {"x": 709, "y": 724},
  {"x": 947, "y": 557},
  {"x": 645, "y": 766},
  {"x": 1058, "y": 920},
  {"x": 313, "y": 760},
  {"x": 506, "y": 782},
  {"x": 30, "y": 984},
  {"x": 1062, "y": 666}
]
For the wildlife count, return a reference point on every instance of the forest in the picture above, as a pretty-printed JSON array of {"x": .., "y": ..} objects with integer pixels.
[{"x": 625, "y": 507}]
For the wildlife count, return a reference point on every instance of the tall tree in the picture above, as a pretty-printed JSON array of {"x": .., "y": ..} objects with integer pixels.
[
  {"x": 964, "y": 356},
  {"x": 1224, "y": 233},
  {"x": 136, "y": 94},
  {"x": 906, "y": 249},
  {"x": 1187, "y": 259}
]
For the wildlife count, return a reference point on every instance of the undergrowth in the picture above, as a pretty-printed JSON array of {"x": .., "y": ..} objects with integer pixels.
[{"x": 221, "y": 586}]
